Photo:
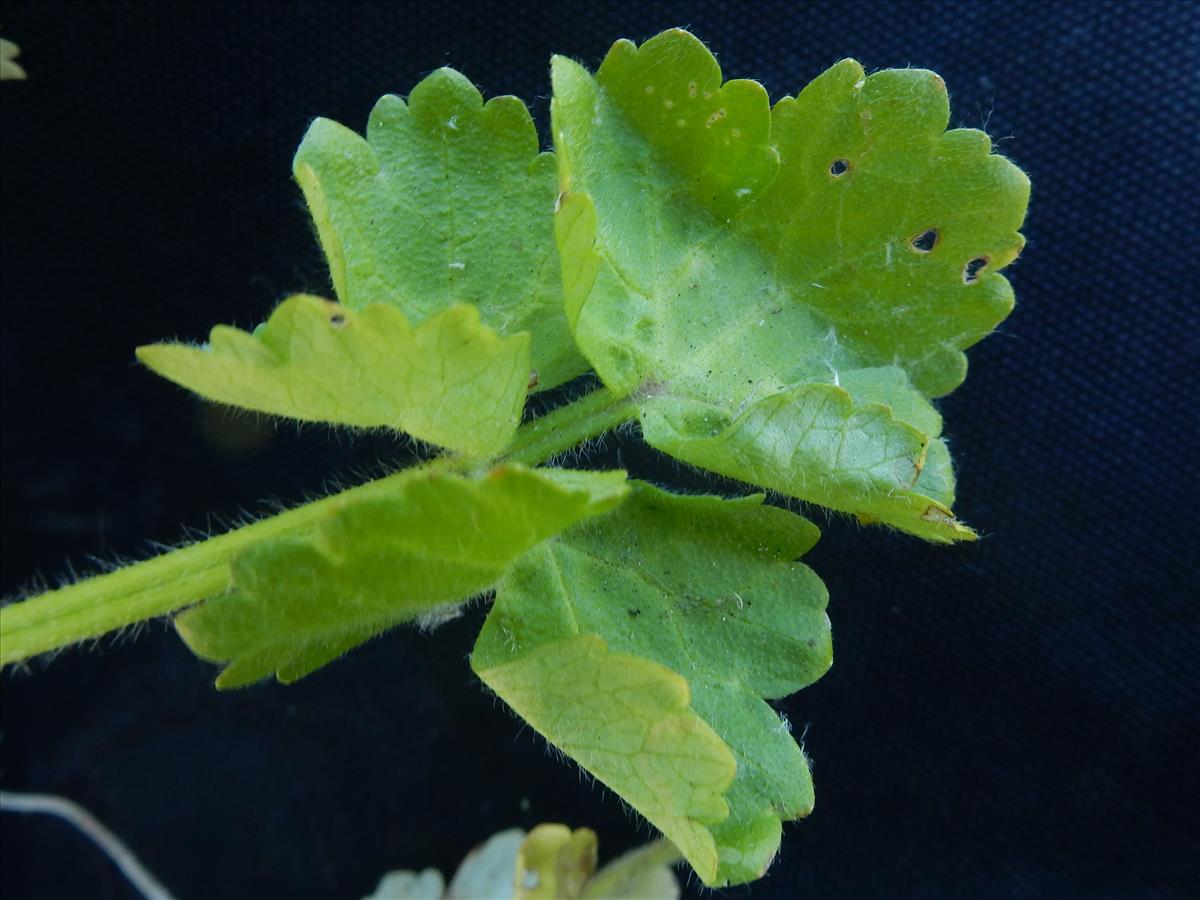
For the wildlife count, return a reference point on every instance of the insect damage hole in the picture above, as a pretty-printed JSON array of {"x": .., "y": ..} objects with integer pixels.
[
  {"x": 338, "y": 320},
  {"x": 925, "y": 241},
  {"x": 972, "y": 270},
  {"x": 839, "y": 167}
]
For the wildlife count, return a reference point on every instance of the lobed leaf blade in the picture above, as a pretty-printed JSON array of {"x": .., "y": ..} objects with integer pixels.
[
  {"x": 451, "y": 381},
  {"x": 814, "y": 441},
  {"x": 716, "y": 262},
  {"x": 446, "y": 200},
  {"x": 378, "y": 561},
  {"x": 907, "y": 176},
  {"x": 707, "y": 588}
]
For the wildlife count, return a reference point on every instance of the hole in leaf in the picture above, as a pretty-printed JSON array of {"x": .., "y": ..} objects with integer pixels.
[
  {"x": 973, "y": 268},
  {"x": 925, "y": 241},
  {"x": 337, "y": 320},
  {"x": 839, "y": 167}
]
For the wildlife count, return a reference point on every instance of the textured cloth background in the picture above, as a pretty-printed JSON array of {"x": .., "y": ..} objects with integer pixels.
[{"x": 1016, "y": 718}]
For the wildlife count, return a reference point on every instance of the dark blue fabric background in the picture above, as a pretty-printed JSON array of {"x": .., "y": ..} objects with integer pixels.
[{"x": 1016, "y": 718}]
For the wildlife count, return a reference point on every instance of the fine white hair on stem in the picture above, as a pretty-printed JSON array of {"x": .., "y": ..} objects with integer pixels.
[{"x": 141, "y": 878}]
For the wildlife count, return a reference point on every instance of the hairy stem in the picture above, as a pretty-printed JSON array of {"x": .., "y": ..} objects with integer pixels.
[
  {"x": 569, "y": 426},
  {"x": 178, "y": 578}
]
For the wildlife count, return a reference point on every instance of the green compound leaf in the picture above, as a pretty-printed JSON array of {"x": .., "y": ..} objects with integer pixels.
[
  {"x": 451, "y": 381},
  {"x": 298, "y": 603},
  {"x": 707, "y": 588},
  {"x": 446, "y": 201},
  {"x": 784, "y": 288}
]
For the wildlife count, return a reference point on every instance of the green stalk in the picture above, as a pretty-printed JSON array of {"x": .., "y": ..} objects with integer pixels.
[
  {"x": 178, "y": 578},
  {"x": 569, "y": 426}
]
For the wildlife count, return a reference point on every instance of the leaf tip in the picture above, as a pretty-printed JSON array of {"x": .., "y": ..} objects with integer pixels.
[
  {"x": 148, "y": 354},
  {"x": 945, "y": 527},
  {"x": 444, "y": 86}
]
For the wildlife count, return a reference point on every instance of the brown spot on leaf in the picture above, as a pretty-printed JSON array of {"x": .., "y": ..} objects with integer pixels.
[{"x": 940, "y": 515}]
